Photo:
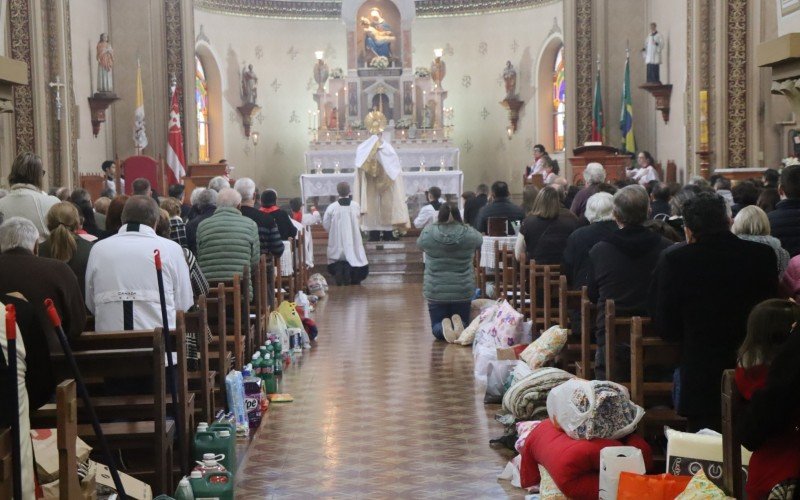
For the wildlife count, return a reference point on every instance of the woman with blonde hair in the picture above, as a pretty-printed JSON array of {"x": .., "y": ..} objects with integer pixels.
[
  {"x": 752, "y": 224},
  {"x": 64, "y": 243}
]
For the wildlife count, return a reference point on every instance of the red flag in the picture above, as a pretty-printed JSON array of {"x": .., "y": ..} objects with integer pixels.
[{"x": 175, "y": 160}]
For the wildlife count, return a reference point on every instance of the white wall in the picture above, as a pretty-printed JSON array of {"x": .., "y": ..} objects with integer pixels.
[
  {"x": 88, "y": 19},
  {"x": 789, "y": 23},
  {"x": 473, "y": 80}
]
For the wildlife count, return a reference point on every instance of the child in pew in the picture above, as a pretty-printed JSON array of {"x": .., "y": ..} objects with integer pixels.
[{"x": 771, "y": 347}]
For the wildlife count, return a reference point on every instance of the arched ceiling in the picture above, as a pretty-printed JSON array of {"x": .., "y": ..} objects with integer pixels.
[{"x": 331, "y": 9}]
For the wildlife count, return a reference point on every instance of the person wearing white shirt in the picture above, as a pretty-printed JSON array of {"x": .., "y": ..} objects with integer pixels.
[
  {"x": 347, "y": 260},
  {"x": 430, "y": 211},
  {"x": 303, "y": 222},
  {"x": 121, "y": 283},
  {"x": 645, "y": 171},
  {"x": 110, "y": 169},
  {"x": 539, "y": 155},
  {"x": 653, "y": 46}
]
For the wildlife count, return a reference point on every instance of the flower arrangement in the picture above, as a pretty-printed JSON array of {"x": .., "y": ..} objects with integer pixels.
[
  {"x": 356, "y": 124},
  {"x": 379, "y": 62},
  {"x": 403, "y": 124},
  {"x": 792, "y": 160},
  {"x": 422, "y": 72},
  {"x": 337, "y": 74}
]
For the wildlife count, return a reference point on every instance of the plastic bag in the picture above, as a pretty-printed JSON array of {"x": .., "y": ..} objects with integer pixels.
[
  {"x": 616, "y": 459},
  {"x": 483, "y": 355},
  {"x": 500, "y": 326},
  {"x": 290, "y": 316},
  {"x": 234, "y": 387},
  {"x": 497, "y": 373},
  {"x": 318, "y": 285},
  {"x": 277, "y": 327},
  {"x": 659, "y": 487},
  {"x": 301, "y": 300}
]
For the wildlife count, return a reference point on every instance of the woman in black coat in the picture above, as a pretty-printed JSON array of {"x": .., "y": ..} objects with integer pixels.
[{"x": 544, "y": 233}]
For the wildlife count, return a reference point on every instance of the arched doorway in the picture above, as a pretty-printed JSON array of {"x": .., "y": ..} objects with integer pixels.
[{"x": 208, "y": 111}]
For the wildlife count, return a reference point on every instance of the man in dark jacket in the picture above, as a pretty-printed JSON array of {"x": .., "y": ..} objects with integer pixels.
[
  {"x": 206, "y": 205},
  {"x": 473, "y": 206},
  {"x": 268, "y": 235},
  {"x": 621, "y": 268},
  {"x": 576, "y": 265},
  {"x": 501, "y": 206},
  {"x": 269, "y": 205},
  {"x": 660, "y": 201},
  {"x": 785, "y": 219},
  {"x": 702, "y": 294}
]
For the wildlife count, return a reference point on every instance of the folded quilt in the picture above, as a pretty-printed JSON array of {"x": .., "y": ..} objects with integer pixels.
[{"x": 526, "y": 399}]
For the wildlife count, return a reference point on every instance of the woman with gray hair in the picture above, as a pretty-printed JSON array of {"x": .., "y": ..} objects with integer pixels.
[
  {"x": 594, "y": 175},
  {"x": 752, "y": 224},
  {"x": 599, "y": 210},
  {"x": 26, "y": 198}
]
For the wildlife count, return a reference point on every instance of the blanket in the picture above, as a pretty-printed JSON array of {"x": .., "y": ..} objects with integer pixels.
[{"x": 526, "y": 399}]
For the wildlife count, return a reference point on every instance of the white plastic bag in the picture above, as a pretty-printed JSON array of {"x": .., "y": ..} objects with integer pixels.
[
  {"x": 616, "y": 459},
  {"x": 318, "y": 285},
  {"x": 483, "y": 355},
  {"x": 497, "y": 373},
  {"x": 301, "y": 300}
]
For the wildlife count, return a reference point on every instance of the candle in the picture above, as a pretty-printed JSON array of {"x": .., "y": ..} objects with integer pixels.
[
  {"x": 704, "y": 120},
  {"x": 309, "y": 119}
]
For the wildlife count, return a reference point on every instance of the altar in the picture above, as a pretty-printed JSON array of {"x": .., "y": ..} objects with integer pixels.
[{"x": 451, "y": 182}]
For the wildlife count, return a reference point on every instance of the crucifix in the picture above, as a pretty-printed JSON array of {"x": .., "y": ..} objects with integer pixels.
[{"x": 59, "y": 105}]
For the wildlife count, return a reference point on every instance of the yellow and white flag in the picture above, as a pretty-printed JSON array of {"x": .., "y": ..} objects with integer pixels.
[{"x": 139, "y": 133}]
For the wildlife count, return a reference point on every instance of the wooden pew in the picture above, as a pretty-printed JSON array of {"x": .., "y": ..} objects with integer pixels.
[
  {"x": 541, "y": 280},
  {"x": 570, "y": 300},
  {"x": 67, "y": 426},
  {"x": 732, "y": 407},
  {"x": 288, "y": 282},
  {"x": 153, "y": 434},
  {"x": 505, "y": 274},
  {"x": 550, "y": 289},
  {"x": 220, "y": 359},
  {"x": 232, "y": 291},
  {"x": 6, "y": 470},
  {"x": 202, "y": 380},
  {"x": 585, "y": 367}
]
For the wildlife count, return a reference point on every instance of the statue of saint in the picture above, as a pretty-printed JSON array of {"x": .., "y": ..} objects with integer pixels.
[
  {"x": 427, "y": 118},
  {"x": 510, "y": 78},
  {"x": 249, "y": 85},
  {"x": 653, "y": 46},
  {"x": 333, "y": 119},
  {"x": 105, "y": 63},
  {"x": 379, "y": 35}
]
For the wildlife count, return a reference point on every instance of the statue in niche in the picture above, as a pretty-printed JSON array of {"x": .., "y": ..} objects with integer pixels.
[
  {"x": 249, "y": 85},
  {"x": 510, "y": 79},
  {"x": 379, "y": 35},
  {"x": 105, "y": 63},
  {"x": 427, "y": 117},
  {"x": 333, "y": 119}
]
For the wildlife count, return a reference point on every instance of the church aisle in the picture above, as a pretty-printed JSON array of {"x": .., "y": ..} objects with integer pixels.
[{"x": 380, "y": 411}]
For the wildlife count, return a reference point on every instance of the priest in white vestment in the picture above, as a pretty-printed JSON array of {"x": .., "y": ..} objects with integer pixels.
[
  {"x": 347, "y": 260},
  {"x": 378, "y": 188}
]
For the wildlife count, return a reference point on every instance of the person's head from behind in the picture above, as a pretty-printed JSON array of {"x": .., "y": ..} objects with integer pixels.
[
  {"x": 114, "y": 215},
  {"x": 482, "y": 189},
  {"x": 705, "y": 215},
  {"x": 177, "y": 191},
  {"x": 789, "y": 186},
  {"x": 79, "y": 196},
  {"x": 62, "y": 222},
  {"x": 18, "y": 232},
  {"x": 296, "y": 204},
  {"x": 677, "y": 201},
  {"x": 171, "y": 206},
  {"x": 434, "y": 193},
  {"x": 246, "y": 187},
  {"x": 722, "y": 184},
  {"x": 343, "y": 189},
  {"x": 594, "y": 173},
  {"x": 229, "y": 198},
  {"x": 269, "y": 198},
  {"x": 751, "y": 220},
  {"x": 101, "y": 205},
  {"x": 205, "y": 199},
  {"x": 449, "y": 215},
  {"x": 62, "y": 193},
  {"x": 661, "y": 192},
  {"x": 141, "y": 209},
  {"x": 109, "y": 168},
  {"x": 467, "y": 195},
  {"x": 141, "y": 187},
  {"x": 27, "y": 169},
  {"x": 500, "y": 190},
  {"x": 745, "y": 194},
  {"x": 162, "y": 226},
  {"x": 700, "y": 182},
  {"x": 771, "y": 178},
  {"x": 768, "y": 326},
  {"x": 599, "y": 208},
  {"x": 663, "y": 228},
  {"x": 631, "y": 206},
  {"x": 551, "y": 166},
  {"x": 529, "y": 194},
  {"x": 768, "y": 199},
  {"x": 218, "y": 183},
  {"x": 547, "y": 204}
]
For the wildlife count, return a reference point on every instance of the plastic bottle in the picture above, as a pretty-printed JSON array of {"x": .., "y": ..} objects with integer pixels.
[
  {"x": 278, "y": 359},
  {"x": 270, "y": 384},
  {"x": 217, "y": 485},
  {"x": 184, "y": 491},
  {"x": 252, "y": 399},
  {"x": 210, "y": 463}
]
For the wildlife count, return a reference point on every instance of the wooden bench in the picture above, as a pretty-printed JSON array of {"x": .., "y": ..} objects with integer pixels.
[
  {"x": 220, "y": 358},
  {"x": 585, "y": 367},
  {"x": 201, "y": 380},
  {"x": 732, "y": 407},
  {"x": 541, "y": 280},
  {"x": 67, "y": 426},
  {"x": 232, "y": 292},
  {"x": 570, "y": 300},
  {"x": 505, "y": 273}
]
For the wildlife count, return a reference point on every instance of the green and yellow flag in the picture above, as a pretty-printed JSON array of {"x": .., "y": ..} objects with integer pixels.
[{"x": 626, "y": 116}]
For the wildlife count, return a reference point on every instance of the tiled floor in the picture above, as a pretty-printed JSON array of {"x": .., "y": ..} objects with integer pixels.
[{"x": 380, "y": 411}]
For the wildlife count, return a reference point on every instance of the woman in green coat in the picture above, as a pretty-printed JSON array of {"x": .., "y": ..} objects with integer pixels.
[{"x": 449, "y": 282}]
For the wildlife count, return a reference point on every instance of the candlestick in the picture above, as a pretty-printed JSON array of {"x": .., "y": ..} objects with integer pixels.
[{"x": 704, "y": 119}]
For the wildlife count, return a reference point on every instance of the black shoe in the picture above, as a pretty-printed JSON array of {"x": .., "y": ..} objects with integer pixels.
[
  {"x": 374, "y": 236},
  {"x": 389, "y": 236}
]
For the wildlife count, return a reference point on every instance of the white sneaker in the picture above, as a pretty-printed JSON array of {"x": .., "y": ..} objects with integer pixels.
[{"x": 447, "y": 329}]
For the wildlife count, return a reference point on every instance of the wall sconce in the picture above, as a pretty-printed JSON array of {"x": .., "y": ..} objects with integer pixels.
[
  {"x": 510, "y": 132},
  {"x": 254, "y": 136}
]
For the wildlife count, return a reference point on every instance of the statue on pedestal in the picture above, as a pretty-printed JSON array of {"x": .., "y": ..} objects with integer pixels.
[
  {"x": 510, "y": 79},
  {"x": 653, "y": 46},
  {"x": 105, "y": 63},
  {"x": 379, "y": 35},
  {"x": 249, "y": 85}
]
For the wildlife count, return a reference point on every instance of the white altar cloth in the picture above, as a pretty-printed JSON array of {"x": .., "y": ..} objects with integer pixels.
[
  {"x": 450, "y": 181},
  {"x": 410, "y": 158}
]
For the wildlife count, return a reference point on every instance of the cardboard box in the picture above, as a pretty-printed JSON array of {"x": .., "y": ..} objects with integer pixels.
[
  {"x": 88, "y": 486},
  {"x": 133, "y": 487},
  {"x": 45, "y": 452}
]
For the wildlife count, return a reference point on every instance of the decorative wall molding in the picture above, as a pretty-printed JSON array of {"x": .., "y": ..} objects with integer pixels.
[
  {"x": 19, "y": 25},
  {"x": 583, "y": 69},
  {"x": 52, "y": 68},
  {"x": 737, "y": 82},
  {"x": 173, "y": 20},
  {"x": 293, "y": 9},
  {"x": 71, "y": 103},
  {"x": 690, "y": 92}
]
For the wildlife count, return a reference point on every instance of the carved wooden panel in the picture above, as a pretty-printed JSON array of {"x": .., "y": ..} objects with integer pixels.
[{"x": 19, "y": 24}]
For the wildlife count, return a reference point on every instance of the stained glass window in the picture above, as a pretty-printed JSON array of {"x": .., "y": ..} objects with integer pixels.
[
  {"x": 559, "y": 94},
  {"x": 201, "y": 98}
]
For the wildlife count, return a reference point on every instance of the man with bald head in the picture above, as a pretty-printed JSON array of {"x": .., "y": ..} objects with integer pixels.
[{"x": 121, "y": 283}]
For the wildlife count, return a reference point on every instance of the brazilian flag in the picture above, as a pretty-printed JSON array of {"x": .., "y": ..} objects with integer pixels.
[{"x": 626, "y": 116}]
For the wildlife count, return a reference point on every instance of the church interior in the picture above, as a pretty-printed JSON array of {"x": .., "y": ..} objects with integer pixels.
[{"x": 399, "y": 249}]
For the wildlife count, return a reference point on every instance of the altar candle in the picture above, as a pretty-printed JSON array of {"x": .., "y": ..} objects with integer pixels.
[
  {"x": 309, "y": 119},
  {"x": 704, "y": 119}
]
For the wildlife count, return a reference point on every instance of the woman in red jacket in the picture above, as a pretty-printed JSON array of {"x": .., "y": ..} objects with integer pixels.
[{"x": 767, "y": 369}]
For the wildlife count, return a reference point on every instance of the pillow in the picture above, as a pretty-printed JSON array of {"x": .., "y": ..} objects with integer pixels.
[
  {"x": 547, "y": 487},
  {"x": 701, "y": 488},
  {"x": 544, "y": 349}
]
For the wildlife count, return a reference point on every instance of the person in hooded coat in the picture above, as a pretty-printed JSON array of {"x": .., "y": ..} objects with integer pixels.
[{"x": 621, "y": 268}]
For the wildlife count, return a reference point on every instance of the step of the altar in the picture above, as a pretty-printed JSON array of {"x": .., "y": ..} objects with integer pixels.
[{"x": 389, "y": 262}]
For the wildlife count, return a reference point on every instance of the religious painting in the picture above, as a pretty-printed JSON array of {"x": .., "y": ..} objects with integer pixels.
[
  {"x": 789, "y": 6},
  {"x": 378, "y": 35},
  {"x": 352, "y": 99},
  {"x": 408, "y": 98}
]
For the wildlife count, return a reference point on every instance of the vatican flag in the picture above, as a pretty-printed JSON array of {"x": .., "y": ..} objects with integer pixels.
[{"x": 139, "y": 133}]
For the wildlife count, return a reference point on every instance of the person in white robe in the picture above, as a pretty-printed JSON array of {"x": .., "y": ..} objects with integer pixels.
[
  {"x": 304, "y": 224},
  {"x": 121, "y": 282},
  {"x": 653, "y": 46},
  {"x": 538, "y": 165},
  {"x": 347, "y": 260},
  {"x": 428, "y": 213},
  {"x": 645, "y": 171},
  {"x": 378, "y": 188}
]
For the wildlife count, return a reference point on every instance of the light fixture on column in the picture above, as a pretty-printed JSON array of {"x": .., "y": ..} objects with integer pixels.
[{"x": 438, "y": 68}]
